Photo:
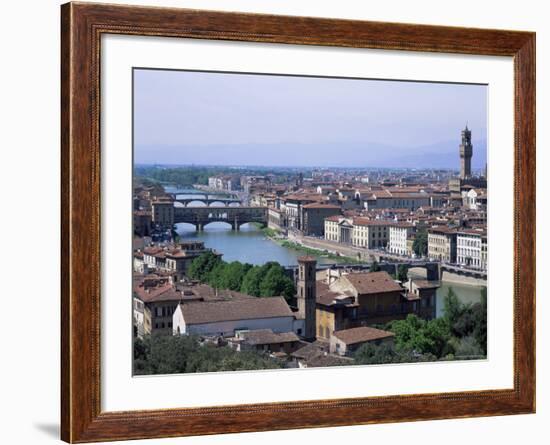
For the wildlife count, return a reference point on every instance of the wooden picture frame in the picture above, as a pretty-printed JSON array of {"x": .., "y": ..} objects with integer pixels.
[{"x": 82, "y": 26}]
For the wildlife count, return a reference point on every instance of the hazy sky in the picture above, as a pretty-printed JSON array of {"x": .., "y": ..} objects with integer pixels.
[{"x": 216, "y": 118}]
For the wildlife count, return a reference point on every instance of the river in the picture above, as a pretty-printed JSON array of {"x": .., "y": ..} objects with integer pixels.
[{"x": 248, "y": 245}]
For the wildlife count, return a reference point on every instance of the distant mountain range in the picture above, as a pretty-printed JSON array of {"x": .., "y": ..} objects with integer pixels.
[{"x": 369, "y": 155}]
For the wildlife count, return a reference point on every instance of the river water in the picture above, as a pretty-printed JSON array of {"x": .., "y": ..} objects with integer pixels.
[{"x": 248, "y": 245}]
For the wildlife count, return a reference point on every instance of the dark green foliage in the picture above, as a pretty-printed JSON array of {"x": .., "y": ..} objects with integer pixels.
[
  {"x": 369, "y": 354},
  {"x": 452, "y": 307},
  {"x": 480, "y": 329},
  {"x": 374, "y": 267},
  {"x": 421, "y": 336},
  {"x": 166, "y": 354},
  {"x": 201, "y": 267},
  {"x": 402, "y": 273},
  {"x": 267, "y": 280},
  {"x": 468, "y": 347},
  {"x": 275, "y": 282},
  {"x": 251, "y": 282},
  {"x": 228, "y": 275},
  {"x": 467, "y": 319},
  {"x": 420, "y": 244}
]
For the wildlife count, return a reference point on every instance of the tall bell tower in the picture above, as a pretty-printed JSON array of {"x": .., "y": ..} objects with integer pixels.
[
  {"x": 466, "y": 151},
  {"x": 307, "y": 294}
]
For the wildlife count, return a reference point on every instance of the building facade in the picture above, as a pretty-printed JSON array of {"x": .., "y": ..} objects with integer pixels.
[
  {"x": 306, "y": 288},
  {"x": 371, "y": 234},
  {"x": 471, "y": 248},
  {"x": 442, "y": 244},
  {"x": 400, "y": 233},
  {"x": 466, "y": 151}
]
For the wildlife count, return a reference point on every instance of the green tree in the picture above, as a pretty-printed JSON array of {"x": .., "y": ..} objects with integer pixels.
[
  {"x": 480, "y": 329},
  {"x": 216, "y": 277},
  {"x": 420, "y": 244},
  {"x": 275, "y": 282},
  {"x": 369, "y": 354},
  {"x": 402, "y": 273},
  {"x": 467, "y": 347},
  {"x": 251, "y": 281},
  {"x": 203, "y": 265},
  {"x": 166, "y": 354},
  {"x": 452, "y": 307},
  {"x": 421, "y": 336},
  {"x": 234, "y": 274},
  {"x": 374, "y": 267}
]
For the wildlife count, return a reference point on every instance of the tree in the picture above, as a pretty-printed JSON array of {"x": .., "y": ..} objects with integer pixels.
[
  {"x": 275, "y": 283},
  {"x": 374, "y": 267},
  {"x": 234, "y": 274},
  {"x": 402, "y": 273},
  {"x": 480, "y": 330},
  {"x": 203, "y": 265},
  {"x": 166, "y": 354},
  {"x": 216, "y": 276},
  {"x": 369, "y": 354},
  {"x": 420, "y": 243},
  {"x": 421, "y": 336},
  {"x": 251, "y": 281},
  {"x": 468, "y": 347},
  {"x": 452, "y": 307}
]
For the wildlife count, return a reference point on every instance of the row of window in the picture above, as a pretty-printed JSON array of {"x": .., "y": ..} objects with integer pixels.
[
  {"x": 162, "y": 325},
  {"x": 165, "y": 311}
]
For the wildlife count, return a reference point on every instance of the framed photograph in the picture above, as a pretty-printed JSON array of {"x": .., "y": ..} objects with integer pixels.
[{"x": 275, "y": 222}]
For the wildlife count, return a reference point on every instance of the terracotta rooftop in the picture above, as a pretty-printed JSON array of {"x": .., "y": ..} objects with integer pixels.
[
  {"x": 267, "y": 336},
  {"x": 212, "y": 312},
  {"x": 325, "y": 296},
  {"x": 361, "y": 221},
  {"x": 372, "y": 282},
  {"x": 361, "y": 335},
  {"x": 425, "y": 284},
  {"x": 315, "y": 205}
]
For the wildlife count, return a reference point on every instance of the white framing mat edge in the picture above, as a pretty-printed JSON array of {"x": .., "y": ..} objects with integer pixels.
[{"x": 122, "y": 392}]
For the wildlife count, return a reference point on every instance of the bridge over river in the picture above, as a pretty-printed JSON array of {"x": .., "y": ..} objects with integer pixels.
[
  {"x": 236, "y": 216},
  {"x": 205, "y": 198}
]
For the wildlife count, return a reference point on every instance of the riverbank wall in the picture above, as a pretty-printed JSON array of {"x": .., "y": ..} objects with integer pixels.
[
  {"x": 449, "y": 277},
  {"x": 330, "y": 246}
]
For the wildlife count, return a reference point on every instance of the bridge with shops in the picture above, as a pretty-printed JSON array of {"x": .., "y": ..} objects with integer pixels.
[
  {"x": 207, "y": 199},
  {"x": 236, "y": 216}
]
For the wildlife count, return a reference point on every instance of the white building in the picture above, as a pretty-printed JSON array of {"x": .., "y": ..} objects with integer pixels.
[
  {"x": 471, "y": 248},
  {"x": 339, "y": 229},
  {"x": 370, "y": 233},
  {"x": 399, "y": 233},
  {"x": 225, "y": 317},
  {"x": 475, "y": 199}
]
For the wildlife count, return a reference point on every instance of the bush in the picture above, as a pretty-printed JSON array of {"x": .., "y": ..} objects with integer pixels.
[{"x": 166, "y": 354}]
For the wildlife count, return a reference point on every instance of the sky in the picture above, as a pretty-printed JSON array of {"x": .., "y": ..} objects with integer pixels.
[{"x": 184, "y": 117}]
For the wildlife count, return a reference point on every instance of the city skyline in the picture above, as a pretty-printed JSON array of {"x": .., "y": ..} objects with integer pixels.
[{"x": 183, "y": 117}]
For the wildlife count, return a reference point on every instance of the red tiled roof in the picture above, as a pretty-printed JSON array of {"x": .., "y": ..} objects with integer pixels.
[
  {"x": 372, "y": 282},
  {"x": 315, "y": 205},
  {"x": 212, "y": 312},
  {"x": 361, "y": 335}
]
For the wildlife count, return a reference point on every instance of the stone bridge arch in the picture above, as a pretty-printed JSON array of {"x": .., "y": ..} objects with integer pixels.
[{"x": 236, "y": 216}]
